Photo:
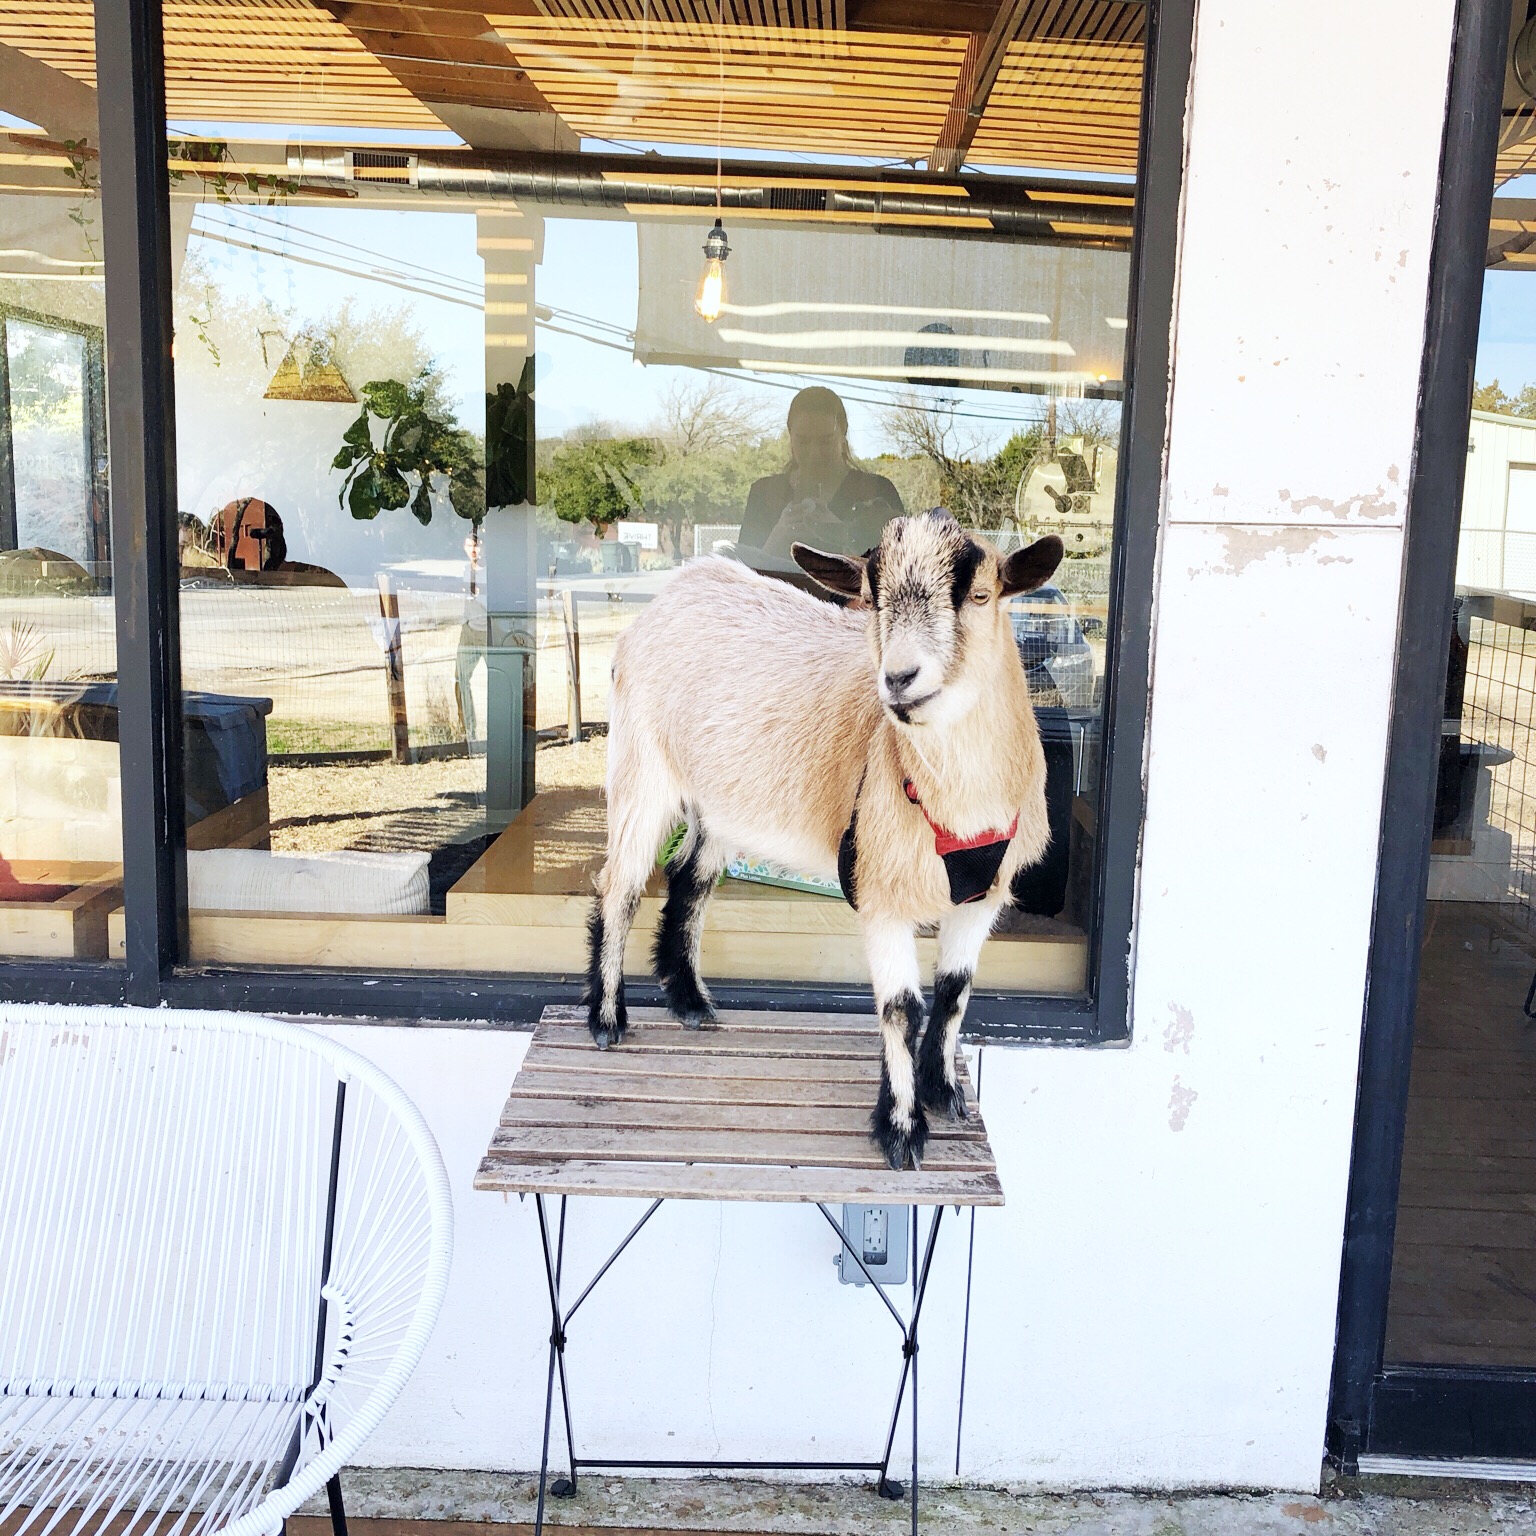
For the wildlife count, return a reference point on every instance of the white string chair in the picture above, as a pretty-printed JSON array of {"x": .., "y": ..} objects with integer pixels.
[{"x": 169, "y": 1356}]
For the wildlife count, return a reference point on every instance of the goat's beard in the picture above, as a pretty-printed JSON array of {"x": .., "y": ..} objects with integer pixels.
[{"x": 946, "y": 706}]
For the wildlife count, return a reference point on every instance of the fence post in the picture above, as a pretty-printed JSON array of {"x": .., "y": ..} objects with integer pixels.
[
  {"x": 572, "y": 665},
  {"x": 394, "y": 668}
]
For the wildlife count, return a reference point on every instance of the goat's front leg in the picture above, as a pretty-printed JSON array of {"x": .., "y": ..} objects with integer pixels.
[
  {"x": 898, "y": 1125},
  {"x": 961, "y": 936}
]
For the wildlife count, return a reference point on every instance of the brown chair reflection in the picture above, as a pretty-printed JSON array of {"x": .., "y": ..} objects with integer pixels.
[{"x": 246, "y": 539}]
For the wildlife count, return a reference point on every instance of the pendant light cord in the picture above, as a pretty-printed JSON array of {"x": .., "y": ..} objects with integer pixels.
[{"x": 720, "y": 103}]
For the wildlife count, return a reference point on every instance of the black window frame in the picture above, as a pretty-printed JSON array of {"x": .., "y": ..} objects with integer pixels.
[
  {"x": 1376, "y": 1408},
  {"x": 136, "y": 223}
]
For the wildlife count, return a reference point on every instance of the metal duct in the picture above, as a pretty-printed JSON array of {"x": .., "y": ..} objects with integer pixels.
[{"x": 619, "y": 182}]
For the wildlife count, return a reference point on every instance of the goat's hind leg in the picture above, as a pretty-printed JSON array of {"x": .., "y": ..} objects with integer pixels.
[
  {"x": 691, "y": 875},
  {"x": 898, "y": 1125},
  {"x": 635, "y": 833},
  {"x": 961, "y": 936}
]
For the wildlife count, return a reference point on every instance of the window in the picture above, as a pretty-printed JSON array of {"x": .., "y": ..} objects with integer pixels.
[
  {"x": 460, "y": 391},
  {"x": 60, "y": 780}
]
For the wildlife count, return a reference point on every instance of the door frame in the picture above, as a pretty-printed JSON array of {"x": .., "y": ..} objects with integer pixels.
[{"x": 1421, "y": 1411}]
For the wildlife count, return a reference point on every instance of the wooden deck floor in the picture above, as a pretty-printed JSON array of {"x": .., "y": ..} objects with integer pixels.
[{"x": 1464, "y": 1265}]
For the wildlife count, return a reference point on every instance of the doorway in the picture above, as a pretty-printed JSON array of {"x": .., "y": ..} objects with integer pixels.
[{"x": 1436, "y": 1357}]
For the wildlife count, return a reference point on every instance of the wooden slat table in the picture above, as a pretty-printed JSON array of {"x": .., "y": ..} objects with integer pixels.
[{"x": 769, "y": 1106}]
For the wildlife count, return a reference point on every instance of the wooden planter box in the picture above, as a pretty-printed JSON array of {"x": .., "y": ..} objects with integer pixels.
[{"x": 69, "y": 926}]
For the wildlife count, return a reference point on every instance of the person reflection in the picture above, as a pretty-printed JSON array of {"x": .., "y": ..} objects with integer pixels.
[{"x": 823, "y": 498}]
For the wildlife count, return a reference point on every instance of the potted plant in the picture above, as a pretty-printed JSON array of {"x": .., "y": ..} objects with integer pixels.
[{"x": 417, "y": 441}]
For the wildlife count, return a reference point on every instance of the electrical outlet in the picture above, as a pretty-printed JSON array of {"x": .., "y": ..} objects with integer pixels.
[{"x": 879, "y": 1234}]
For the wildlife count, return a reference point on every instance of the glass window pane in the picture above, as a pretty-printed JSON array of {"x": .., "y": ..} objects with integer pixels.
[
  {"x": 467, "y": 378},
  {"x": 60, "y": 787},
  {"x": 50, "y": 440}
]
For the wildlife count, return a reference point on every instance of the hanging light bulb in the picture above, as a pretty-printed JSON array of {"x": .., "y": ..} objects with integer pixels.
[{"x": 710, "y": 299}]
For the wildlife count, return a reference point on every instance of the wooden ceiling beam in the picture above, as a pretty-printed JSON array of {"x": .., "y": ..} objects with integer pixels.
[
  {"x": 983, "y": 60},
  {"x": 1119, "y": 21},
  {"x": 442, "y": 55},
  {"x": 953, "y": 18},
  {"x": 65, "y": 108},
  {"x": 1108, "y": 20}
]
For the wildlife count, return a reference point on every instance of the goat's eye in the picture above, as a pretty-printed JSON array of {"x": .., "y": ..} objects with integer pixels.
[{"x": 981, "y": 597}]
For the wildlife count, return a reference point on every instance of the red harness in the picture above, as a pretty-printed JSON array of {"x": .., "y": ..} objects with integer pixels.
[
  {"x": 945, "y": 841},
  {"x": 971, "y": 864}
]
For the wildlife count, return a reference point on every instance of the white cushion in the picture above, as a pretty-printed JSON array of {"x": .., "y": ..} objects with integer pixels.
[{"x": 253, "y": 880}]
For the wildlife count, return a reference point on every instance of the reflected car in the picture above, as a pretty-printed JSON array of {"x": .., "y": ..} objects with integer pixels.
[{"x": 1055, "y": 652}]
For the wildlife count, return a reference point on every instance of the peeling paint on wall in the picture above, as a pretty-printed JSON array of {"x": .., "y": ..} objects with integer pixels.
[
  {"x": 1179, "y": 1030},
  {"x": 1180, "y": 1101},
  {"x": 1247, "y": 545},
  {"x": 1367, "y": 504}
]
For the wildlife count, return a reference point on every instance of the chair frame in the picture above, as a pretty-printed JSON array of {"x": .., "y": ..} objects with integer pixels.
[{"x": 295, "y": 1484}]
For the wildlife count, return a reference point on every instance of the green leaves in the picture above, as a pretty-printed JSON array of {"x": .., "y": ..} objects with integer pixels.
[
  {"x": 415, "y": 443},
  {"x": 390, "y": 398},
  {"x": 599, "y": 480},
  {"x": 421, "y": 502},
  {"x": 509, "y": 441}
]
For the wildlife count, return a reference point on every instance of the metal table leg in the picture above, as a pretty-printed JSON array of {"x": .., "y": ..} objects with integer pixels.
[
  {"x": 885, "y": 1486},
  {"x": 552, "y": 1266},
  {"x": 554, "y": 1257}
]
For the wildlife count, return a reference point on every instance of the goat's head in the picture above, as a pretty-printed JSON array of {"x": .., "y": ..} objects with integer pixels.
[{"x": 937, "y": 600}]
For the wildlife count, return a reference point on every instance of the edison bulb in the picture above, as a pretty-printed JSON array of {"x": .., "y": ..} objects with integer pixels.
[
  {"x": 710, "y": 299},
  {"x": 711, "y": 294}
]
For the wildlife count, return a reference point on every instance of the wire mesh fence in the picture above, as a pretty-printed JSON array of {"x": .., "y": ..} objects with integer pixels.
[
  {"x": 319, "y": 653},
  {"x": 1497, "y": 559},
  {"x": 1486, "y": 802}
]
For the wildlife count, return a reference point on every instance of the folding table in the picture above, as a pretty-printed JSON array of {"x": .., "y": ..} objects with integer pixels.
[{"x": 769, "y": 1106}]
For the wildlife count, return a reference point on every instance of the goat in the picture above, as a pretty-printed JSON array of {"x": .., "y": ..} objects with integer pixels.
[{"x": 891, "y": 743}]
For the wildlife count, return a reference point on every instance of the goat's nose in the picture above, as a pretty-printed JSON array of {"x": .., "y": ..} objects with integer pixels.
[{"x": 897, "y": 682}]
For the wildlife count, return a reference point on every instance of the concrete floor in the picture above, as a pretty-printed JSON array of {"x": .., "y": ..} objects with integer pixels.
[{"x": 422, "y": 1503}]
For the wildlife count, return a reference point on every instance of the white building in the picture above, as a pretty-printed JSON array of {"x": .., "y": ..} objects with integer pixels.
[{"x": 1195, "y": 1067}]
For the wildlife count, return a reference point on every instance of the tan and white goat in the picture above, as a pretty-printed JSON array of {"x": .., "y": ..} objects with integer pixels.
[{"x": 891, "y": 743}]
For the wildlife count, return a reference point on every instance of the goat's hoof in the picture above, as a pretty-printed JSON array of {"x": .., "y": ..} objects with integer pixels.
[
  {"x": 899, "y": 1143},
  {"x": 935, "y": 1091},
  {"x": 688, "y": 1002},
  {"x": 947, "y": 1099},
  {"x": 606, "y": 1032}
]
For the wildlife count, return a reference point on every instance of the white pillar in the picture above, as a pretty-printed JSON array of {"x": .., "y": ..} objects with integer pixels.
[{"x": 510, "y": 243}]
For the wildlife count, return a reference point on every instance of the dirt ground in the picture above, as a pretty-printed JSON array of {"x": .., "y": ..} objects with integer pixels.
[{"x": 391, "y": 807}]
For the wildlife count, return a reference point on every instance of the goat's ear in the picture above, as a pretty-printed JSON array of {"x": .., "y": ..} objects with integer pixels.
[
  {"x": 837, "y": 573},
  {"x": 1026, "y": 569}
]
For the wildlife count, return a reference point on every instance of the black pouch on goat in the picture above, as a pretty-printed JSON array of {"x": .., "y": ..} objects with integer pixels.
[
  {"x": 971, "y": 871},
  {"x": 971, "y": 863},
  {"x": 847, "y": 859}
]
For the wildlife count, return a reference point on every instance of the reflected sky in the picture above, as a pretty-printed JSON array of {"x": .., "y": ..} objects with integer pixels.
[{"x": 312, "y": 260}]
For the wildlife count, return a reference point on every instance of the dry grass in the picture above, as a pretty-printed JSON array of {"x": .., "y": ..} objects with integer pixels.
[{"x": 354, "y": 805}]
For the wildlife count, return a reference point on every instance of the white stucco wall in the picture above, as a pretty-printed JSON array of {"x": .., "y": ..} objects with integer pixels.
[{"x": 1155, "y": 1307}]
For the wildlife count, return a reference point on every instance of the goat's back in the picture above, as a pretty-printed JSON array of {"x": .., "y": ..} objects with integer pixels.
[{"x": 760, "y": 698}]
